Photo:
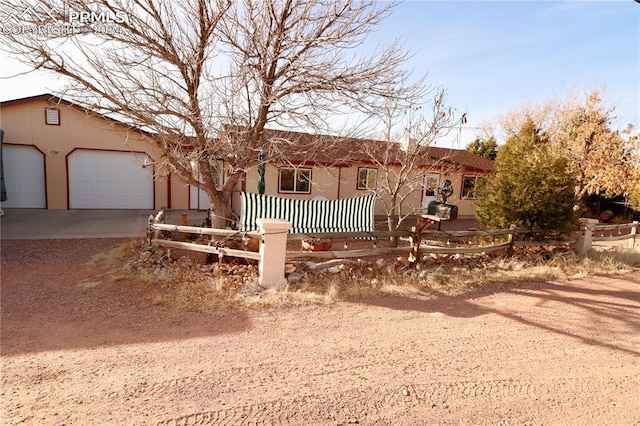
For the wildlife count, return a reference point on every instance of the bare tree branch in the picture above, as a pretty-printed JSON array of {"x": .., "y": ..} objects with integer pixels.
[{"x": 187, "y": 71}]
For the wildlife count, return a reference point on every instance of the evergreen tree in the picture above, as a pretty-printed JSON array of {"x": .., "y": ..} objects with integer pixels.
[
  {"x": 484, "y": 148},
  {"x": 529, "y": 188}
]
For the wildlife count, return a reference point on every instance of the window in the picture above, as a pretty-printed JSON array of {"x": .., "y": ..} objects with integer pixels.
[
  {"x": 469, "y": 187},
  {"x": 367, "y": 178},
  {"x": 217, "y": 172},
  {"x": 52, "y": 116},
  {"x": 431, "y": 182},
  {"x": 295, "y": 181}
]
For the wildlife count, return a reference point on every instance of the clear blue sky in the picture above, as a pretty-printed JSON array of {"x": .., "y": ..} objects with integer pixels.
[{"x": 496, "y": 56}]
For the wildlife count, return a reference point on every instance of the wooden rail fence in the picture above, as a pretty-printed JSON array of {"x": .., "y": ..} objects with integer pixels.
[
  {"x": 157, "y": 227},
  {"x": 272, "y": 240},
  {"x": 631, "y": 234}
]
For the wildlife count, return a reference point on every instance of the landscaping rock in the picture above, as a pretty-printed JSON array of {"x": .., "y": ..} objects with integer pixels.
[
  {"x": 294, "y": 278},
  {"x": 308, "y": 266},
  {"x": 381, "y": 264},
  {"x": 334, "y": 270},
  {"x": 288, "y": 269}
]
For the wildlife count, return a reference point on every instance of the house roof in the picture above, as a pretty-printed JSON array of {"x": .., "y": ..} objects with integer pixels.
[
  {"x": 56, "y": 100},
  {"x": 302, "y": 147},
  {"x": 43, "y": 97},
  {"x": 463, "y": 157}
]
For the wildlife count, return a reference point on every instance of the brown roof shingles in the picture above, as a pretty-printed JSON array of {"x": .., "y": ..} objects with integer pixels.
[{"x": 345, "y": 150}]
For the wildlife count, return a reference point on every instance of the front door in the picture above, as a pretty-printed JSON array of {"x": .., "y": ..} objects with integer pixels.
[{"x": 431, "y": 182}]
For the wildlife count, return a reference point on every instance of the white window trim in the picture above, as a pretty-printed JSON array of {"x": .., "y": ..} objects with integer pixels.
[
  {"x": 220, "y": 174},
  {"x": 462, "y": 194},
  {"x": 296, "y": 170},
  {"x": 369, "y": 170}
]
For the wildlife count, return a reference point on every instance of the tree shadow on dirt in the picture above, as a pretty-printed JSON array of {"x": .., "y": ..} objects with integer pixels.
[
  {"x": 76, "y": 310},
  {"x": 608, "y": 308},
  {"x": 432, "y": 302}
]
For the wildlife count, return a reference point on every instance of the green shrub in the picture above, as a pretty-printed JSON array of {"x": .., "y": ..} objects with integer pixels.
[{"x": 529, "y": 188}]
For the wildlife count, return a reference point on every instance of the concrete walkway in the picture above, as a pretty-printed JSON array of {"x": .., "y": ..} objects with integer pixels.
[{"x": 34, "y": 224}]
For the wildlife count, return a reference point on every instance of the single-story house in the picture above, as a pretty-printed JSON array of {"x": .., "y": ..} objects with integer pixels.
[
  {"x": 58, "y": 155},
  {"x": 355, "y": 173}
]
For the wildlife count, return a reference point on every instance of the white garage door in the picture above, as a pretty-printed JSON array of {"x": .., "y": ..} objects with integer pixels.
[
  {"x": 198, "y": 199},
  {"x": 109, "y": 180},
  {"x": 24, "y": 177}
]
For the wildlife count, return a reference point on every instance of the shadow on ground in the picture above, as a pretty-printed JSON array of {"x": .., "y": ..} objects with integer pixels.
[
  {"x": 52, "y": 298},
  {"x": 606, "y": 303}
]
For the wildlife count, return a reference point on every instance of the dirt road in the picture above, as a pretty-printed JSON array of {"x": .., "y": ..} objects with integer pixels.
[{"x": 77, "y": 352}]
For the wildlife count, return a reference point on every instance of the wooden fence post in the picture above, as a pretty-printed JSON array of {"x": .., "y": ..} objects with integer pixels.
[
  {"x": 511, "y": 239},
  {"x": 150, "y": 224},
  {"x": 634, "y": 234},
  {"x": 585, "y": 239},
  {"x": 415, "y": 240},
  {"x": 151, "y": 232},
  {"x": 273, "y": 252}
]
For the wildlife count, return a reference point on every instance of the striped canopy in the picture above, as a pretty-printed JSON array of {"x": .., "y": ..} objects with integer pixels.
[{"x": 309, "y": 216}]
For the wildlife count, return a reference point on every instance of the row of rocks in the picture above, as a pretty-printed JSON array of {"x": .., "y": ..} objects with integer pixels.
[
  {"x": 349, "y": 269},
  {"x": 299, "y": 272}
]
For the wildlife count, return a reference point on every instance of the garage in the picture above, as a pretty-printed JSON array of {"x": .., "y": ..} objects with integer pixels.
[
  {"x": 109, "y": 180},
  {"x": 24, "y": 177}
]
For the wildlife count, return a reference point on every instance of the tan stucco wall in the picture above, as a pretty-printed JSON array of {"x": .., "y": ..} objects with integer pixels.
[
  {"x": 24, "y": 124},
  {"x": 335, "y": 183}
]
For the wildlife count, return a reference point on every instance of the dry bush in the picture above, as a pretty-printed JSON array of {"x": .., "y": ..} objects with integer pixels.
[
  {"x": 532, "y": 265},
  {"x": 187, "y": 285}
]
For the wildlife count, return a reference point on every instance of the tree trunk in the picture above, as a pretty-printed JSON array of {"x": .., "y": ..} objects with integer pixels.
[
  {"x": 393, "y": 219},
  {"x": 221, "y": 215},
  {"x": 392, "y": 222}
]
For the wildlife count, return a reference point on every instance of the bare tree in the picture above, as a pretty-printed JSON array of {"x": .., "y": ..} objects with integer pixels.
[
  {"x": 581, "y": 129},
  {"x": 205, "y": 77},
  {"x": 602, "y": 159},
  {"x": 405, "y": 157}
]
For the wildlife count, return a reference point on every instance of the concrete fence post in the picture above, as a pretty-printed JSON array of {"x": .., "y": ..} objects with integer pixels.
[
  {"x": 273, "y": 252},
  {"x": 585, "y": 239}
]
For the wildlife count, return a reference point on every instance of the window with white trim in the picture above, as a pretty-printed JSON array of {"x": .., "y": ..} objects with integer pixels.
[
  {"x": 217, "y": 172},
  {"x": 294, "y": 181},
  {"x": 52, "y": 116},
  {"x": 469, "y": 187},
  {"x": 367, "y": 178}
]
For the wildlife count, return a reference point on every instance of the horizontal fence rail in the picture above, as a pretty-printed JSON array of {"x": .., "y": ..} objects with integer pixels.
[
  {"x": 273, "y": 237},
  {"x": 631, "y": 228},
  {"x": 156, "y": 228},
  {"x": 463, "y": 250},
  {"x": 220, "y": 251},
  {"x": 206, "y": 231},
  {"x": 610, "y": 227},
  {"x": 346, "y": 254},
  {"x": 545, "y": 243}
]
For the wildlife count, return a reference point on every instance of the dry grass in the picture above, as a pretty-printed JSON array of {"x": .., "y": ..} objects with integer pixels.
[
  {"x": 182, "y": 286},
  {"x": 111, "y": 261},
  {"x": 563, "y": 265}
]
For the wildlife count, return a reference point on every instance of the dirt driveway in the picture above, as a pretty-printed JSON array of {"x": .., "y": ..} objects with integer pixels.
[{"x": 78, "y": 352}]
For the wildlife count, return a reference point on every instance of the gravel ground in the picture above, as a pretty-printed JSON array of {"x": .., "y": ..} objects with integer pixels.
[{"x": 77, "y": 349}]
